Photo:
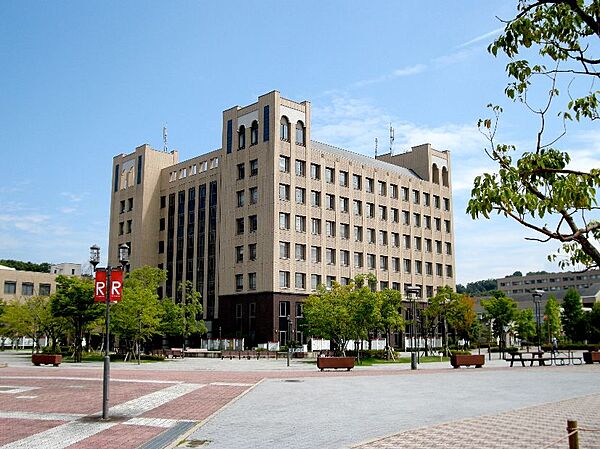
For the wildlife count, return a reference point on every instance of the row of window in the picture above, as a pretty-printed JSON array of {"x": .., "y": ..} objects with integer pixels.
[
  {"x": 27, "y": 288},
  {"x": 241, "y": 169},
  {"x": 240, "y": 225},
  {"x": 126, "y": 229},
  {"x": 416, "y": 197},
  {"x": 330, "y": 226},
  {"x": 193, "y": 169}
]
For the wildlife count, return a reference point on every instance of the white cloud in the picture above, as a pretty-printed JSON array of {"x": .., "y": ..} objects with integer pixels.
[
  {"x": 398, "y": 73},
  {"x": 74, "y": 197}
]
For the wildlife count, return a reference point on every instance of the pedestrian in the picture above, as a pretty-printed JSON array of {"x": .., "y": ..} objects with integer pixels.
[{"x": 554, "y": 345}]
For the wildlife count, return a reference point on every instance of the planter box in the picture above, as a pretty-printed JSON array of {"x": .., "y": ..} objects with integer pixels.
[
  {"x": 476, "y": 360},
  {"x": 46, "y": 359},
  {"x": 591, "y": 356},
  {"x": 335, "y": 363}
]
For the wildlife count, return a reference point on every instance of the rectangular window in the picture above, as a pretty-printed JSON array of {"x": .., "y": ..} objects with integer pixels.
[
  {"x": 358, "y": 260},
  {"x": 315, "y": 281},
  {"x": 438, "y": 246},
  {"x": 394, "y": 191},
  {"x": 315, "y": 254},
  {"x": 284, "y": 164},
  {"x": 449, "y": 248},
  {"x": 284, "y": 279},
  {"x": 329, "y": 175},
  {"x": 241, "y": 171},
  {"x": 344, "y": 231},
  {"x": 300, "y": 195},
  {"x": 436, "y": 201},
  {"x": 139, "y": 170},
  {"x": 439, "y": 269},
  {"x": 370, "y": 210},
  {"x": 369, "y": 185},
  {"x": 396, "y": 264},
  {"x": 383, "y": 238},
  {"x": 371, "y": 261},
  {"x": 284, "y": 250},
  {"x": 329, "y": 282},
  {"x": 370, "y": 235},
  {"x": 284, "y": 192},
  {"x": 428, "y": 268},
  {"x": 161, "y": 247},
  {"x": 438, "y": 223},
  {"x": 383, "y": 213},
  {"x": 284, "y": 221},
  {"x": 447, "y": 226},
  {"x": 383, "y": 263},
  {"x": 357, "y": 207},
  {"x": 163, "y": 202},
  {"x": 117, "y": 180},
  {"x": 382, "y": 187},
  {"x": 315, "y": 226},
  {"x": 229, "y": 137},
  {"x": 10, "y": 288},
  {"x": 239, "y": 226},
  {"x": 417, "y": 219},
  {"x": 44, "y": 290},
  {"x": 395, "y": 215},
  {"x": 253, "y": 223},
  {"x": 407, "y": 267},
  {"x": 356, "y": 182},
  {"x": 27, "y": 289},
  {"x": 330, "y": 256},
  {"x": 253, "y": 195},
  {"x": 446, "y": 203},
  {"x": 449, "y": 271},
  {"x": 344, "y": 258},
  {"x": 254, "y": 167},
  {"x": 330, "y": 228},
  {"x": 428, "y": 245},
  {"x": 406, "y": 218},
  {"x": 427, "y": 219},
  {"x": 252, "y": 251},
  {"x": 358, "y": 233},
  {"x": 239, "y": 282},
  {"x": 418, "y": 267},
  {"x": 315, "y": 198},
  {"x": 300, "y": 223},
  {"x": 239, "y": 254},
  {"x": 300, "y": 252},
  {"x": 418, "y": 245},
  {"x": 300, "y": 168},
  {"x": 330, "y": 201},
  {"x": 240, "y": 198},
  {"x": 426, "y": 199},
  {"x": 405, "y": 193},
  {"x": 416, "y": 197},
  {"x": 344, "y": 205},
  {"x": 406, "y": 239},
  {"x": 266, "y": 124},
  {"x": 251, "y": 283},
  {"x": 300, "y": 281},
  {"x": 284, "y": 308},
  {"x": 396, "y": 239},
  {"x": 343, "y": 178},
  {"x": 315, "y": 171}
]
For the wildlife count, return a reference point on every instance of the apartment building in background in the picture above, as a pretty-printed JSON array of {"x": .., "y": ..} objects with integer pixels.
[
  {"x": 257, "y": 224},
  {"x": 17, "y": 284}
]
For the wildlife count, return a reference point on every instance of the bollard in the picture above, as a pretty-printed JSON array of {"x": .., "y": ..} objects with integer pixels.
[
  {"x": 413, "y": 360},
  {"x": 573, "y": 439}
]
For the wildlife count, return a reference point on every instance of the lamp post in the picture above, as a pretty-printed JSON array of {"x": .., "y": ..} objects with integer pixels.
[
  {"x": 505, "y": 330},
  {"x": 289, "y": 339},
  {"x": 94, "y": 261},
  {"x": 537, "y": 299},
  {"x": 413, "y": 292}
]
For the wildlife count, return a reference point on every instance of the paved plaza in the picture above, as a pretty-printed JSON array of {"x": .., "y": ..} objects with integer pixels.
[{"x": 232, "y": 404}]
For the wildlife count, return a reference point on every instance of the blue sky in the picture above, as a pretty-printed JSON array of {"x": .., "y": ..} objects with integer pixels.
[{"x": 84, "y": 81}]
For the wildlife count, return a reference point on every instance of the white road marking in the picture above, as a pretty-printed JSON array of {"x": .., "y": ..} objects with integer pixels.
[
  {"x": 230, "y": 384},
  {"x": 95, "y": 379},
  {"x": 42, "y": 416},
  {"x": 154, "y": 422},
  {"x": 26, "y": 397},
  {"x": 152, "y": 400},
  {"x": 15, "y": 389},
  {"x": 60, "y": 437}
]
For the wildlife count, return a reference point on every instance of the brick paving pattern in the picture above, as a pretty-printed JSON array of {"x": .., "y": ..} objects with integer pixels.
[
  {"x": 17, "y": 429},
  {"x": 119, "y": 437},
  {"x": 528, "y": 428}
]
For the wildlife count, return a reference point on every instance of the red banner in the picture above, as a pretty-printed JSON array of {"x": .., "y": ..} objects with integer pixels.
[{"x": 116, "y": 286}]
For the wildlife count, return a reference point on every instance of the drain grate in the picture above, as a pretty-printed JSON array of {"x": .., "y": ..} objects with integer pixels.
[
  {"x": 194, "y": 443},
  {"x": 293, "y": 380}
]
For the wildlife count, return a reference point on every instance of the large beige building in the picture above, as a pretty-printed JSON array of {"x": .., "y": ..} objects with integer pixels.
[{"x": 259, "y": 223}]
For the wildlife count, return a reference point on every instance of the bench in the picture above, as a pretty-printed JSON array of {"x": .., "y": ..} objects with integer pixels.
[
  {"x": 591, "y": 356},
  {"x": 531, "y": 357},
  {"x": 335, "y": 363},
  {"x": 570, "y": 359}
]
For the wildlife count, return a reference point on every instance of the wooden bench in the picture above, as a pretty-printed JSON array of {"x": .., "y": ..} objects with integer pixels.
[
  {"x": 335, "y": 363},
  {"x": 531, "y": 357}
]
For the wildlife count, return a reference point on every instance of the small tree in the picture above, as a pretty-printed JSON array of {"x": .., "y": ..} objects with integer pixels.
[
  {"x": 525, "y": 324},
  {"x": 191, "y": 311},
  {"x": 501, "y": 310},
  {"x": 572, "y": 316},
  {"x": 74, "y": 301},
  {"x": 594, "y": 323},
  {"x": 552, "y": 318},
  {"x": 462, "y": 317},
  {"x": 391, "y": 318}
]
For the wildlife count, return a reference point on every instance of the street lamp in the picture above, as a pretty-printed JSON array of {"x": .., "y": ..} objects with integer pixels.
[
  {"x": 94, "y": 261},
  {"x": 289, "y": 339},
  {"x": 537, "y": 299},
  {"x": 413, "y": 292}
]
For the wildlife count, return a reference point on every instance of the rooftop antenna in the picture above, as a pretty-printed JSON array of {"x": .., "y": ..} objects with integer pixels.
[
  {"x": 375, "y": 147},
  {"x": 391, "y": 140},
  {"x": 165, "y": 143}
]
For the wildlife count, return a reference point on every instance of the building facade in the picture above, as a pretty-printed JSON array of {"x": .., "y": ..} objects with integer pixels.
[
  {"x": 549, "y": 282},
  {"x": 257, "y": 224}
]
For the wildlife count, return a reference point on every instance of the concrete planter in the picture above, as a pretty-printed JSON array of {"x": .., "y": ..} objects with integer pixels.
[
  {"x": 335, "y": 363},
  {"x": 591, "y": 356},
  {"x": 46, "y": 359},
  {"x": 476, "y": 360}
]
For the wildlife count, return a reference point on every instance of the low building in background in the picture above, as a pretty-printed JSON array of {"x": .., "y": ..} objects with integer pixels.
[{"x": 21, "y": 284}]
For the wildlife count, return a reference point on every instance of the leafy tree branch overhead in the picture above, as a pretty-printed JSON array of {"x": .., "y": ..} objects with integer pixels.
[{"x": 536, "y": 185}]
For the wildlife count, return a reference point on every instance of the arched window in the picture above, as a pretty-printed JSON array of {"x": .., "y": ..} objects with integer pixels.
[
  {"x": 242, "y": 138},
  {"x": 284, "y": 129},
  {"x": 300, "y": 133},
  {"x": 254, "y": 133},
  {"x": 435, "y": 174},
  {"x": 444, "y": 176}
]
